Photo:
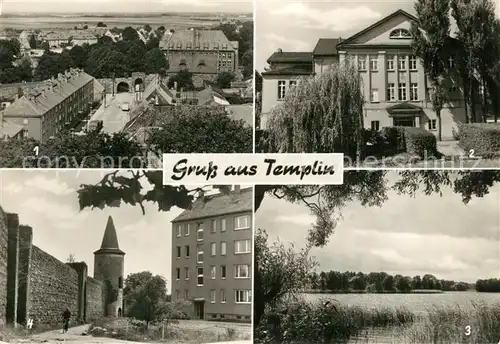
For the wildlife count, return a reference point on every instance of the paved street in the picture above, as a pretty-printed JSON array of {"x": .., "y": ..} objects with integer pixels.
[{"x": 113, "y": 117}]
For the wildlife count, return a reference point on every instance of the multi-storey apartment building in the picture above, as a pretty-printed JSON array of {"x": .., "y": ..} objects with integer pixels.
[
  {"x": 212, "y": 256},
  {"x": 45, "y": 110},
  {"x": 205, "y": 53},
  {"x": 393, "y": 78}
]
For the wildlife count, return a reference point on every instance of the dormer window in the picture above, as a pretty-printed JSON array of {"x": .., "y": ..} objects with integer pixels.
[
  {"x": 179, "y": 45},
  {"x": 400, "y": 34},
  {"x": 216, "y": 46},
  {"x": 205, "y": 45}
]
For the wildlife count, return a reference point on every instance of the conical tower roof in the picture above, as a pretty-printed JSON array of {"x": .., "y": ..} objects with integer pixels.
[{"x": 109, "y": 240}]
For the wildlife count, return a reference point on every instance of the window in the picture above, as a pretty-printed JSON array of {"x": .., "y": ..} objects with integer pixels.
[
  {"x": 375, "y": 125},
  {"x": 361, "y": 62},
  {"x": 400, "y": 34},
  {"x": 373, "y": 63},
  {"x": 242, "y": 296},
  {"x": 212, "y": 296},
  {"x": 222, "y": 296},
  {"x": 186, "y": 273},
  {"x": 120, "y": 282},
  {"x": 223, "y": 225},
  {"x": 241, "y": 222},
  {"x": 391, "y": 92},
  {"x": 177, "y": 273},
  {"x": 242, "y": 246},
  {"x": 451, "y": 62},
  {"x": 213, "y": 273},
  {"x": 178, "y": 294},
  {"x": 213, "y": 226},
  {"x": 241, "y": 271},
  {"x": 223, "y": 248},
  {"x": 186, "y": 294},
  {"x": 413, "y": 91},
  {"x": 187, "y": 229},
  {"x": 186, "y": 249},
  {"x": 199, "y": 277},
  {"x": 390, "y": 62},
  {"x": 199, "y": 232},
  {"x": 432, "y": 124},
  {"x": 293, "y": 83},
  {"x": 213, "y": 248},
  {"x": 281, "y": 89},
  {"x": 413, "y": 62},
  {"x": 402, "y": 62},
  {"x": 222, "y": 271},
  {"x": 402, "y": 91},
  {"x": 374, "y": 95},
  {"x": 178, "y": 251},
  {"x": 199, "y": 256},
  {"x": 179, "y": 230}
]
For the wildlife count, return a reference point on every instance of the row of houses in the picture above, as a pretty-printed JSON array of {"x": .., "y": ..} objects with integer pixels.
[
  {"x": 40, "y": 110},
  {"x": 394, "y": 83}
]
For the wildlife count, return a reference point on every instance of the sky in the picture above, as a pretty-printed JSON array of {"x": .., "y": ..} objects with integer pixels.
[
  {"x": 296, "y": 25},
  {"x": 407, "y": 236},
  {"x": 47, "y": 201},
  {"x": 126, "y": 6}
]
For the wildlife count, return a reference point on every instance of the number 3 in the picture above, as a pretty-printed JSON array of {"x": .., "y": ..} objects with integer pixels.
[
  {"x": 471, "y": 153},
  {"x": 467, "y": 330}
]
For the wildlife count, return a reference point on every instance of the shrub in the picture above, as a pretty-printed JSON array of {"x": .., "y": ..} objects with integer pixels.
[
  {"x": 394, "y": 140},
  {"x": 483, "y": 138},
  {"x": 420, "y": 142}
]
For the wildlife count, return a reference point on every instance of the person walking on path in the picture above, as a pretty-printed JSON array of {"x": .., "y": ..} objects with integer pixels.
[{"x": 66, "y": 316}]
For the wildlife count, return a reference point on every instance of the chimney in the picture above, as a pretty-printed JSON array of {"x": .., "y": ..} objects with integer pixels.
[
  {"x": 280, "y": 50},
  {"x": 202, "y": 196},
  {"x": 237, "y": 189},
  {"x": 175, "y": 85}
]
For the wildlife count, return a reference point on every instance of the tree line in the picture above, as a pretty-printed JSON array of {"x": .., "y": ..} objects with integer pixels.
[
  {"x": 106, "y": 58},
  {"x": 373, "y": 282}
]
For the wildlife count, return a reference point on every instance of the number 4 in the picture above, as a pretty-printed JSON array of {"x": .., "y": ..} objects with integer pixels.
[{"x": 468, "y": 330}]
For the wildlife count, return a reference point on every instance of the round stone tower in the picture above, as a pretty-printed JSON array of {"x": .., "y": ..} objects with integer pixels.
[{"x": 108, "y": 267}]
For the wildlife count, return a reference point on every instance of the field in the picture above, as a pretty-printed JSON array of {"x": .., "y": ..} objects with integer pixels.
[{"x": 177, "y": 21}]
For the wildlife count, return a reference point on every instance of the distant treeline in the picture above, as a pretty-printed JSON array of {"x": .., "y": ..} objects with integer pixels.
[
  {"x": 380, "y": 282},
  {"x": 491, "y": 285}
]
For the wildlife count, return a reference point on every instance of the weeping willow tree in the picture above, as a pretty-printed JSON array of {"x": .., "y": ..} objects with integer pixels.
[{"x": 323, "y": 114}]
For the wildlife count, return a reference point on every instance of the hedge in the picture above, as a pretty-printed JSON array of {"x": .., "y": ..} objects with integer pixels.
[
  {"x": 420, "y": 142},
  {"x": 391, "y": 141},
  {"x": 483, "y": 138}
]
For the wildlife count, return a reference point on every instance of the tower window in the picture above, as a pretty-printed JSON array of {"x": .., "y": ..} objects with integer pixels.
[{"x": 120, "y": 282}]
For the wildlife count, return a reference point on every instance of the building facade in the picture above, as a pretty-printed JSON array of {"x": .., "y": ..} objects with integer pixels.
[
  {"x": 205, "y": 53},
  {"x": 394, "y": 83},
  {"x": 45, "y": 110},
  {"x": 212, "y": 256}
]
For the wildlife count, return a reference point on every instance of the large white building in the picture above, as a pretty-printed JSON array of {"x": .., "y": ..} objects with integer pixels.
[{"x": 393, "y": 78}]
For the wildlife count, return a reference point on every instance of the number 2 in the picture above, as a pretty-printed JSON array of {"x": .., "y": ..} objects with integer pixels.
[
  {"x": 471, "y": 153},
  {"x": 467, "y": 330}
]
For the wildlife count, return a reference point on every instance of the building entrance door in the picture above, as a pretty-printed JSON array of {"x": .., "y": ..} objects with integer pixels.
[{"x": 199, "y": 309}]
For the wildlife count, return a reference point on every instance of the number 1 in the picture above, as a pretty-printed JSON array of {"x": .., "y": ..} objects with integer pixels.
[{"x": 36, "y": 149}]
